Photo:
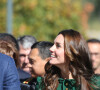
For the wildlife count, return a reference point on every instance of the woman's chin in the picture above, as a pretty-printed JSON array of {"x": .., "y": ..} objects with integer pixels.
[{"x": 51, "y": 61}]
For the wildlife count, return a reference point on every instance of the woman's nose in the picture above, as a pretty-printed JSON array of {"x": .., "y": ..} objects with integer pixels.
[{"x": 52, "y": 49}]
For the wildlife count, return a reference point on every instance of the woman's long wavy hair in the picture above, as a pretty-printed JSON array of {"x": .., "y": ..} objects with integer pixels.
[{"x": 80, "y": 66}]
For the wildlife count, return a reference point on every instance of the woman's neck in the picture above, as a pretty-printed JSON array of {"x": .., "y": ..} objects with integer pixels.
[{"x": 65, "y": 73}]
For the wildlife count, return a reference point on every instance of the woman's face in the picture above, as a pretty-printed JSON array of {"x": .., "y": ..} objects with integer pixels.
[{"x": 57, "y": 51}]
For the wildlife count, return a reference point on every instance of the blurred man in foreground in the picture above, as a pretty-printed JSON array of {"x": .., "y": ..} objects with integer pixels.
[
  {"x": 94, "y": 48},
  {"x": 9, "y": 79}
]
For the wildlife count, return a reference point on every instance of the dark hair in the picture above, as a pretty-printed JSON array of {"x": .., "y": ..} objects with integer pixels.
[
  {"x": 9, "y": 37},
  {"x": 43, "y": 47},
  {"x": 80, "y": 65},
  {"x": 93, "y": 41}
]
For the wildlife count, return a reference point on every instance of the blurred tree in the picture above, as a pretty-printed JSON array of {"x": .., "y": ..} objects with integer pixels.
[
  {"x": 42, "y": 18},
  {"x": 96, "y": 12},
  {"x": 2, "y": 16},
  {"x": 94, "y": 16},
  {"x": 86, "y": 12},
  {"x": 45, "y": 18}
]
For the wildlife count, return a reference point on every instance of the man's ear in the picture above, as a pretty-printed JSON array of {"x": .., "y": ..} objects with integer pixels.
[{"x": 47, "y": 59}]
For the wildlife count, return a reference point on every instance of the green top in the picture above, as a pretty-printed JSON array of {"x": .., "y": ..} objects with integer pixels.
[
  {"x": 69, "y": 84},
  {"x": 66, "y": 84},
  {"x": 96, "y": 81}
]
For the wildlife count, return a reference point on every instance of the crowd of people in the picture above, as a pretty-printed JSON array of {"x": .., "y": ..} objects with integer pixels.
[{"x": 68, "y": 63}]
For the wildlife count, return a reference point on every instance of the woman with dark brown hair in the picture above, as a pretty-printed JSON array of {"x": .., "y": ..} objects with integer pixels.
[{"x": 70, "y": 67}]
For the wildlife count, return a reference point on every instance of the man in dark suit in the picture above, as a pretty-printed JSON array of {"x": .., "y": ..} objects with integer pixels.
[
  {"x": 23, "y": 75},
  {"x": 9, "y": 79}
]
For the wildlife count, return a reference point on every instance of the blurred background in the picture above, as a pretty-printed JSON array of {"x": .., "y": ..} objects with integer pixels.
[{"x": 45, "y": 18}]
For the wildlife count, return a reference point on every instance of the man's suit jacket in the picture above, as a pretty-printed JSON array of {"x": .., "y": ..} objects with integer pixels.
[
  {"x": 23, "y": 75},
  {"x": 9, "y": 79}
]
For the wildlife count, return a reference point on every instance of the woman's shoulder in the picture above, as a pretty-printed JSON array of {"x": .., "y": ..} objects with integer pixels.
[{"x": 95, "y": 80}]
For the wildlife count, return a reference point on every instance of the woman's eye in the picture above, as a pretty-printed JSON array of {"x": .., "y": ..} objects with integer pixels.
[{"x": 58, "y": 45}]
